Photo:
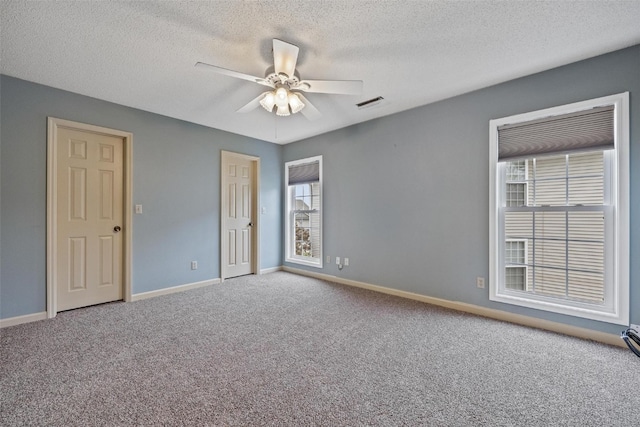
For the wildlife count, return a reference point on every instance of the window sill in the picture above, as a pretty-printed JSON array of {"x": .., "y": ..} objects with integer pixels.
[
  {"x": 549, "y": 305},
  {"x": 316, "y": 264}
]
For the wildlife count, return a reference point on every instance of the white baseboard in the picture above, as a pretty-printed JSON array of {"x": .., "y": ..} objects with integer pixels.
[
  {"x": 12, "y": 321},
  {"x": 174, "y": 289},
  {"x": 561, "y": 328},
  {"x": 520, "y": 319},
  {"x": 18, "y": 320}
]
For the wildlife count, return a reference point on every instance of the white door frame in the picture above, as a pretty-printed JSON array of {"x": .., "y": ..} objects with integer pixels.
[
  {"x": 255, "y": 202},
  {"x": 52, "y": 189}
]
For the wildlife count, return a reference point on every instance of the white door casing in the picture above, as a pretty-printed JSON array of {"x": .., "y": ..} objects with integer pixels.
[
  {"x": 239, "y": 220},
  {"x": 88, "y": 215}
]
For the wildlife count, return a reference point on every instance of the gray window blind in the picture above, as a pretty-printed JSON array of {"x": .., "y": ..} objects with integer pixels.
[
  {"x": 579, "y": 131},
  {"x": 304, "y": 173}
]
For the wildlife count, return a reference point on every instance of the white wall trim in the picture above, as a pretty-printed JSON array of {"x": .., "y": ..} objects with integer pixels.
[
  {"x": 174, "y": 289},
  {"x": 519, "y": 319},
  {"x": 28, "y": 318},
  {"x": 18, "y": 320},
  {"x": 575, "y": 331}
]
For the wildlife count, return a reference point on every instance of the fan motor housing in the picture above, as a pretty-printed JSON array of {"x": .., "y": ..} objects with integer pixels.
[{"x": 277, "y": 79}]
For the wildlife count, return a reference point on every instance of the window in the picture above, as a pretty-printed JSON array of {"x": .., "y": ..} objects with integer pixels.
[
  {"x": 304, "y": 219},
  {"x": 560, "y": 209},
  {"x": 516, "y": 172},
  {"x": 515, "y": 275}
]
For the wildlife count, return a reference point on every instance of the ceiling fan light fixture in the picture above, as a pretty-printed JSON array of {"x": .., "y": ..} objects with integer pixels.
[
  {"x": 282, "y": 97},
  {"x": 268, "y": 101},
  {"x": 282, "y": 78},
  {"x": 295, "y": 103},
  {"x": 283, "y": 110},
  {"x": 285, "y": 101}
]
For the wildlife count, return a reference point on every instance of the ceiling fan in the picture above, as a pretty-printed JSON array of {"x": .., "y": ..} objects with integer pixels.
[{"x": 286, "y": 86}]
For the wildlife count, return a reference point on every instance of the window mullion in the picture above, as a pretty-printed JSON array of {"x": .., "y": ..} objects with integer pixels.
[
  {"x": 566, "y": 253},
  {"x": 533, "y": 252},
  {"x": 566, "y": 226}
]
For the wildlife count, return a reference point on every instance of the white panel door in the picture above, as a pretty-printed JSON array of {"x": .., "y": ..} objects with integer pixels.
[
  {"x": 237, "y": 210},
  {"x": 89, "y": 218}
]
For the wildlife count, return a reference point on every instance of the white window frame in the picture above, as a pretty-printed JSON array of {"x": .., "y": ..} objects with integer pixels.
[
  {"x": 616, "y": 307},
  {"x": 290, "y": 255}
]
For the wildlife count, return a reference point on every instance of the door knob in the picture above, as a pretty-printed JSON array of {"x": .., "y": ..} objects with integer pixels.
[
  {"x": 117, "y": 228},
  {"x": 250, "y": 224}
]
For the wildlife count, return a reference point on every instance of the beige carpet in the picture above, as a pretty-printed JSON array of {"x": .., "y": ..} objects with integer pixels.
[{"x": 285, "y": 350}]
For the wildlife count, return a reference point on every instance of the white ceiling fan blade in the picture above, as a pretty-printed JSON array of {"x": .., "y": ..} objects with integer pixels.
[
  {"x": 343, "y": 87},
  {"x": 235, "y": 74},
  {"x": 309, "y": 111},
  {"x": 285, "y": 56},
  {"x": 253, "y": 104}
]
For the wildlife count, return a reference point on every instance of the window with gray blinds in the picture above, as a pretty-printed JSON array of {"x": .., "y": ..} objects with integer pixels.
[
  {"x": 303, "y": 231},
  {"x": 304, "y": 173},
  {"x": 586, "y": 130},
  {"x": 559, "y": 209}
]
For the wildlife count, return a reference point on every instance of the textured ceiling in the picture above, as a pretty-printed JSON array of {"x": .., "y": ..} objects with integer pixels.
[{"x": 142, "y": 54}]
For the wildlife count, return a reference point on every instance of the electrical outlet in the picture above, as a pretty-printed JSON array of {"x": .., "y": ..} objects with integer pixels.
[
  {"x": 328, "y": 259},
  {"x": 480, "y": 282},
  {"x": 194, "y": 265},
  {"x": 635, "y": 327},
  {"x": 346, "y": 262},
  {"x": 337, "y": 260}
]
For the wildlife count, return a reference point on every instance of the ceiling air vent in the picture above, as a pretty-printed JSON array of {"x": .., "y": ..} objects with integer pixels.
[{"x": 369, "y": 103}]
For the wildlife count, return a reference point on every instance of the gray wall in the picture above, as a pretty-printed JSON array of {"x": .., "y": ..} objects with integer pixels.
[
  {"x": 176, "y": 177},
  {"x": 406, "y": 197}
]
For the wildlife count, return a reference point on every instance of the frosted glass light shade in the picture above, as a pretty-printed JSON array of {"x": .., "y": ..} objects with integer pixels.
[
  {"x": 282, "y": 97},
  {"x": 283, "y": 110},
  {"x": 285, "y": 101},
  {"x": 295, "y": 103},
  {"x": 268, "y": 101}
]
